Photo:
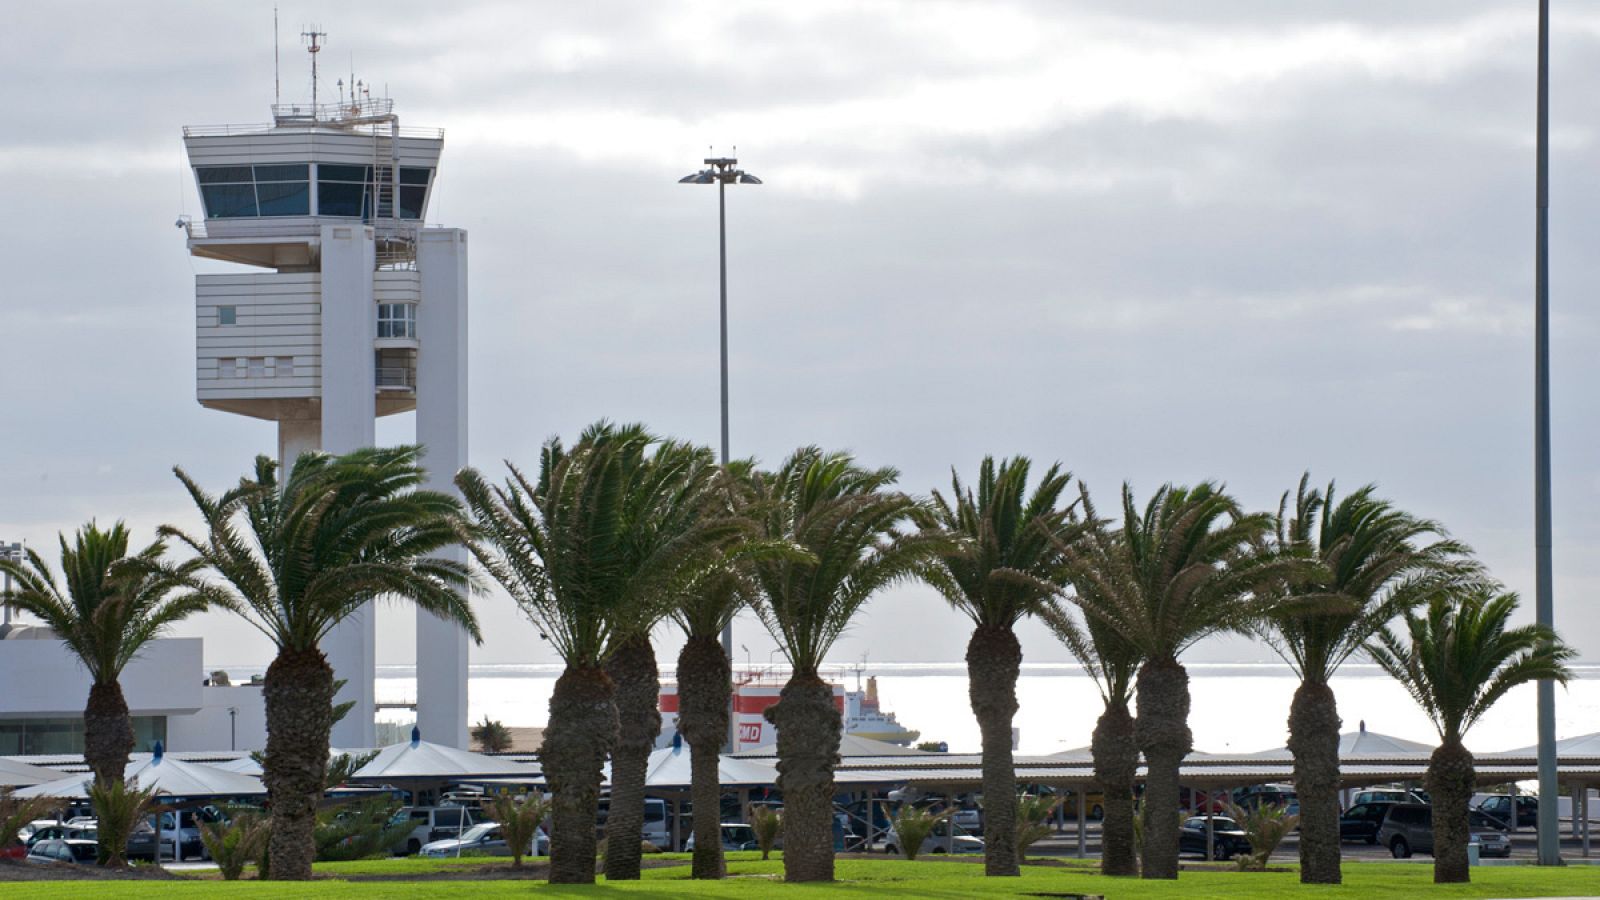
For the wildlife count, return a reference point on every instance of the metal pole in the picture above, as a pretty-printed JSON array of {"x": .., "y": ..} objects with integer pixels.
[
  {"x": 1083, "y": 825},
  {"x": 722, "y": 259},
  {"x": 1549, "y": 790}
]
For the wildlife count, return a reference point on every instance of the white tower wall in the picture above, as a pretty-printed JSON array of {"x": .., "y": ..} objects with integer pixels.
[
  {"x": 349, "y": 412},
  {"x": 442, "y": 431}
]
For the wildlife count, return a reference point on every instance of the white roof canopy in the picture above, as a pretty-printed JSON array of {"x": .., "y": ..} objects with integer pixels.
[
  {"x": 170, "y": 777},
  {"x": 18, "y": 774},
  {"x": 418, "y": 760}
]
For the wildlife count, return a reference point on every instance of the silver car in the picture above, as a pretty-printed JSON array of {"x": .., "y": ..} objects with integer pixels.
[{"x": 484, "y": 839}]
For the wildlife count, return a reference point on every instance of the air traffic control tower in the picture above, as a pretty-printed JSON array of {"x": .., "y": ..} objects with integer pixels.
[{"x": 342, "y": 308}]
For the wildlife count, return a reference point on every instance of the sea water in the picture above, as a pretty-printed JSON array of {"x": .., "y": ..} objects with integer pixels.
[{"x": 1235, "y": 708}]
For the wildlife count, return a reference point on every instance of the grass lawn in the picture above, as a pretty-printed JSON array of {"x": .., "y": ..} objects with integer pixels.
[{"x": 750, "y": 878}]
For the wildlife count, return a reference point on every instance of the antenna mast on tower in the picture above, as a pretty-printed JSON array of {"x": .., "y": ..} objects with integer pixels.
[
  {"x": 313, "y": 46},
  {"x": 277, "y": 84}
]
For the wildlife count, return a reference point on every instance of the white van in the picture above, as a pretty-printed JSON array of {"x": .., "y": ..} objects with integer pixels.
[
  {"x": 657, "y": 830},
  {"x": 432, "y": 823}
]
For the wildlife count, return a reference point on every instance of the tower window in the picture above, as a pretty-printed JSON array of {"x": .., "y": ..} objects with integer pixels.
[
  {"x": 227, "y": 315},
  {"x": 397, "y": 320},
  {"x": 232, "y": 192}
]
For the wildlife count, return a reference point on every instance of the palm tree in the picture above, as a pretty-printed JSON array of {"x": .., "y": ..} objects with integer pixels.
[
  {"x": 106, "y": 608},
  {"x": 704, "y": 692},
  {"x": 1458, "y": 657},
  {"x": 1004, "y": 565},
  {"x": 591, "y": 552},
  {"x": 492, "y": 735},
  {"x": 1187, "y": 568},
  {"x": 1374, "y": 562},
  {"x": 295, "y": 559},
  {"x": 853, "y": 527},
  {"x": 1112, "y": 662}
]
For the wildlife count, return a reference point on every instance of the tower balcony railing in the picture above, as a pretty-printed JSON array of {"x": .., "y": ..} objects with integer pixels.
[
  {"x": 366, "y": 108},
  {"x": 406, "y": 131},
  {"x": 396, "y": 378},
  {"x": 385, "y": 230}
]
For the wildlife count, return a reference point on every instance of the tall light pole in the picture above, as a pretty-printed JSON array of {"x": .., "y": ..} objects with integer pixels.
[
  {"x": 723, "y": 171},
  {"x": 1544, "y": 608}
]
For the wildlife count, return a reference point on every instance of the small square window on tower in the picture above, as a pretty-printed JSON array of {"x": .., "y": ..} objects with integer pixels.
[
  {"x": 227, "y": 315},
  {"x": 285, "y": 367}
]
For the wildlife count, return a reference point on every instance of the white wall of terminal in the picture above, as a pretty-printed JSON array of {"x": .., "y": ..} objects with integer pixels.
[{"x": 43, "y": 679}]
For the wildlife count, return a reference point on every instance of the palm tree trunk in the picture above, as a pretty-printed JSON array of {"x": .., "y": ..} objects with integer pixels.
[
  {"x": 299, "y": 705},
  {"x": 107, "y": 732},
  {"x": 1450, "y": 780},
  {"x": 1116, "y": 765},
  {"x": 1314, "y": 741},
  {"x": 582, "y": 730},
  {"x": 704, "y": 687},
  {"x": 994, "y": 659},
  {"x": 1162, "y": 732},
  {"x": 638, "y": 697},
  {"x": 808, "y": 749}
]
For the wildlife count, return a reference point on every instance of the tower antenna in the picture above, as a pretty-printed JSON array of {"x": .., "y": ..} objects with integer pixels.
[
  {"x": 313, "y": 46},
  {"x": 277, "y": 84}
]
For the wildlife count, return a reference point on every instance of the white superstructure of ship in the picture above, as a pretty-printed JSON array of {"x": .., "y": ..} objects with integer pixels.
[{"x": 756, "y": 689}]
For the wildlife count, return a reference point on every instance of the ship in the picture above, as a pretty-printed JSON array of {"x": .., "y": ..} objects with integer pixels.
[{"x": 756, "y": 689}]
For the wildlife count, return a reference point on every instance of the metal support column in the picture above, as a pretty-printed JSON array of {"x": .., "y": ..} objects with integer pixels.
[{"x": 1083, "y": 825}]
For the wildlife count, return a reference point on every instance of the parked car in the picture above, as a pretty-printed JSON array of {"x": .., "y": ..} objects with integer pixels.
[
  {"x": 27, "y": 830},
  {"x": 143, "y": 843},
  {"x": 485, "y": 839},
  {"x": 945, "y": 838},
  {"x": 431, "y": 823},
  {"x": 61, "y": 832},
  {"x": 1361, "y": 821},
  {"x": 1249, "y": 798},
  {"x": 58, "y": 850},
  {"x": 1227, "y": 838},
  {"x": 735, "y": 836},
  {"x": 1388, "y": 795},
  {"x": 180, "y": 833},
  {"x": 1408, "y": 829},
  {"x": 1499, "y": 806},
  {"x": 969, "y": 818}
]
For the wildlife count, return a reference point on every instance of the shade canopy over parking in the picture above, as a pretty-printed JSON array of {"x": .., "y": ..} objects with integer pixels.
[
  {"x": 19, "y": 774},
  {"x": 171, "y": 778},
  {"x": 417, "y": 760},
  {"x": 1363, "y": 744},
  {"x": 1583, "y": 746},
  {"x": 669, "y": 768}
]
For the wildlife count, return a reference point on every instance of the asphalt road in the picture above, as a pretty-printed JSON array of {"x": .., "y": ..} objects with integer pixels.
[{"x": 1523, "y": 846}]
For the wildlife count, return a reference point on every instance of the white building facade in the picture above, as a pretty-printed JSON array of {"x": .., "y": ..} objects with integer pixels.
[{"x": 343, "y": 307}]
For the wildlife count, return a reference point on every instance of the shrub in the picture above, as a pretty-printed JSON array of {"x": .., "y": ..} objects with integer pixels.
[
  {"x": 519, "y": 819},
  {"x": 15, "y": 812},
  {"x": 358, "y": 829},
  {"x": 912, "y": 826},
  {"x": 119, "y": 806},
  {"x": 767, "y": 824},
  {"x": 234, "y": 844},
  {"x": 1264, "y": 827},
  {"x": 1033, "y": 821}
]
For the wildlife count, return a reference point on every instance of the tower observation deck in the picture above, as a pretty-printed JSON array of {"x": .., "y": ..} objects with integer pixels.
[{"x": 343, "y": 307}]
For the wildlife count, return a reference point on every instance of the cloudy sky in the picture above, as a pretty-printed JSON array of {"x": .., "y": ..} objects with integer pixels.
[{"x": 1156, "y": 241}]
